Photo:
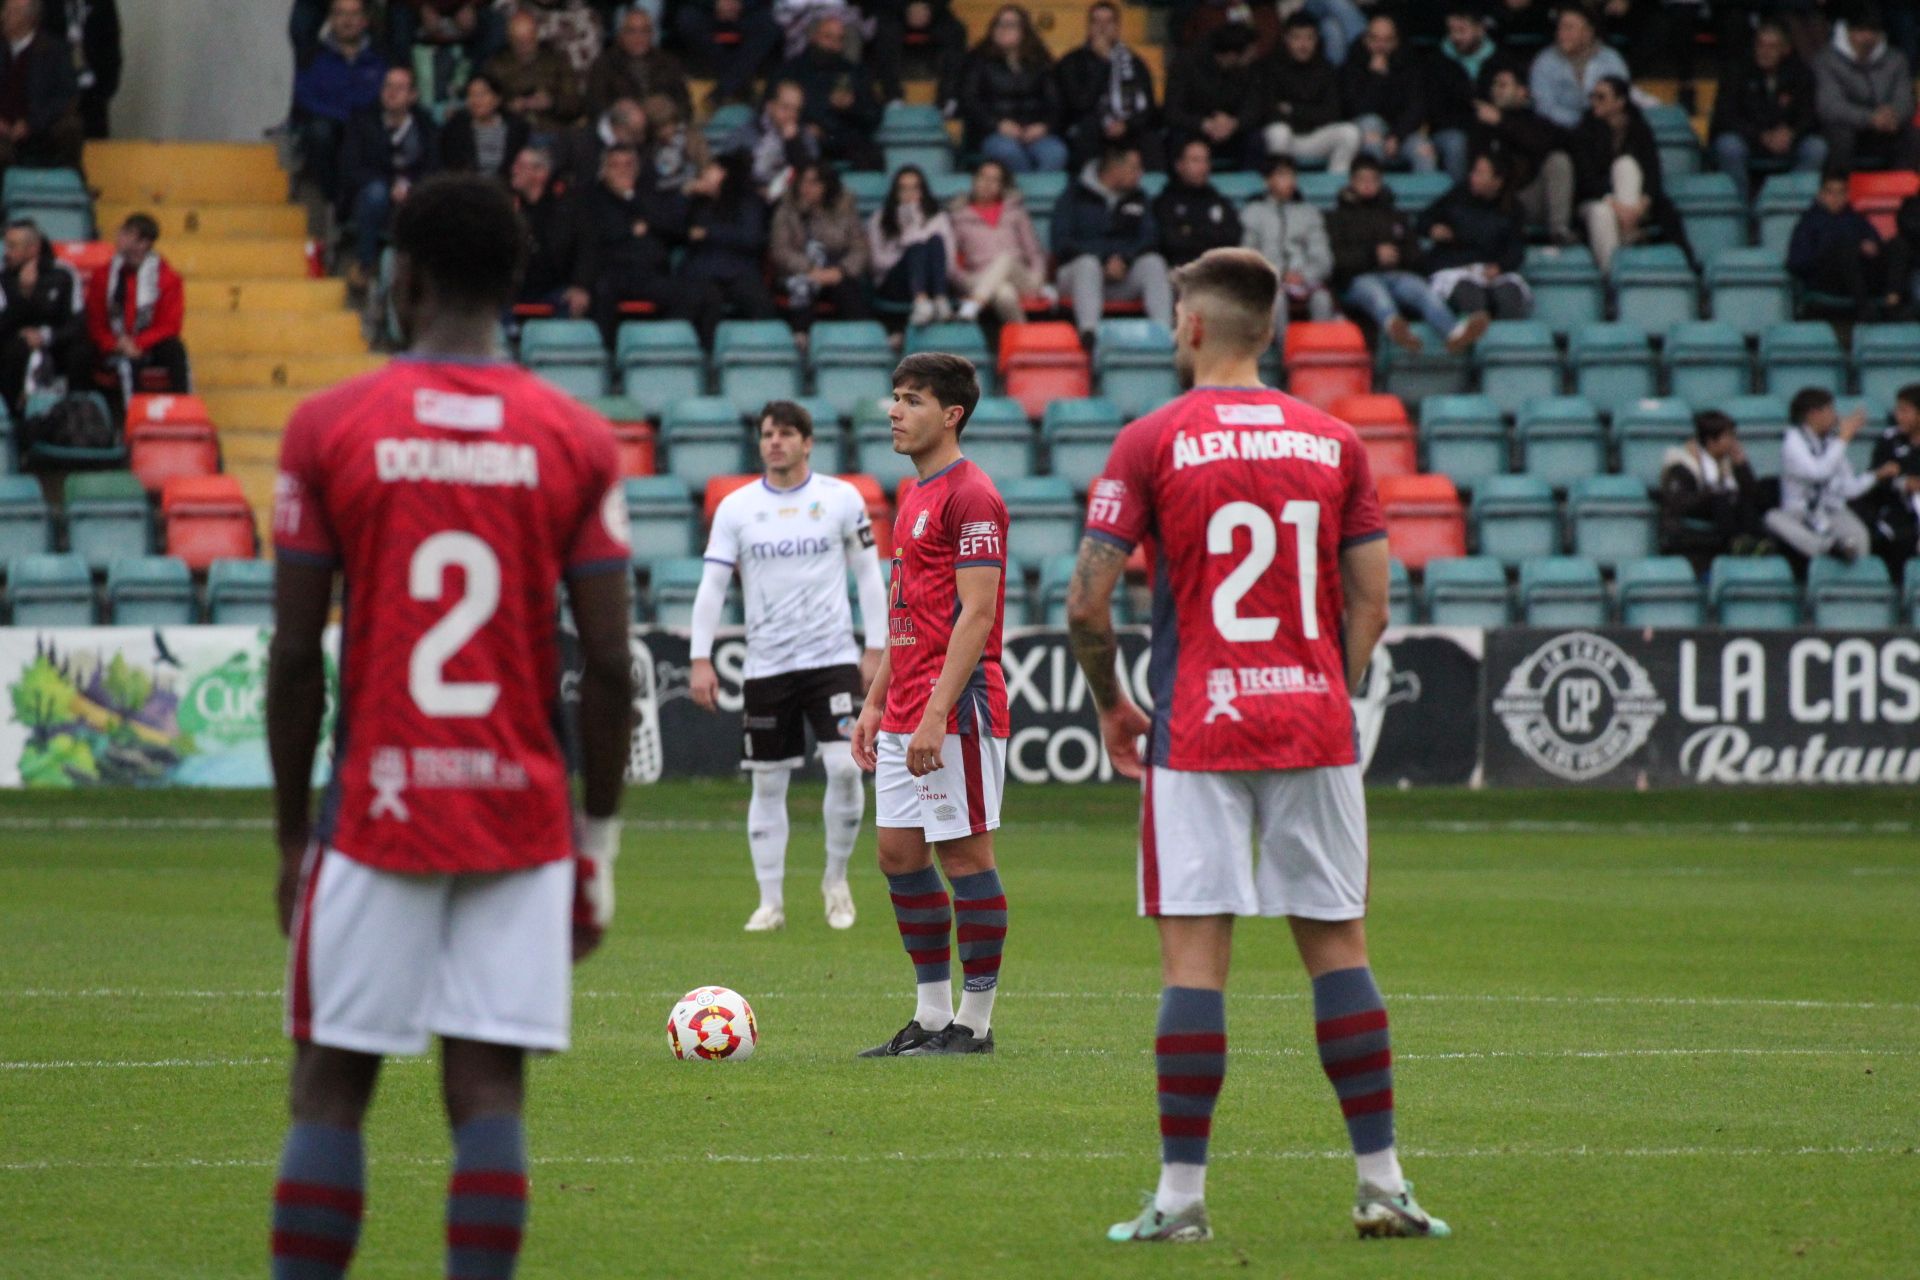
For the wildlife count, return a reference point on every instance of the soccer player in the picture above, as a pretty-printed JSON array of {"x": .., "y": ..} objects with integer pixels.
[
  {"x": 440, "y": 891},
  {"x": 934, "y": 725},
  {"x": 793, "y": 537},
  {"x": 1270, "y": 592}
]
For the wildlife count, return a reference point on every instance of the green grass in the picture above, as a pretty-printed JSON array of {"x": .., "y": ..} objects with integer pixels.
[{"x": 1663, "y": 1035}]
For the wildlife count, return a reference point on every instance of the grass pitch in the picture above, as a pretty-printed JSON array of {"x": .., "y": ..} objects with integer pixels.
[{"x": 1670, "y": 1035}]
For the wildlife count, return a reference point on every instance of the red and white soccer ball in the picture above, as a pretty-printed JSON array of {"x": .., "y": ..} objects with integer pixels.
[{"x": 712, "y": 1023}]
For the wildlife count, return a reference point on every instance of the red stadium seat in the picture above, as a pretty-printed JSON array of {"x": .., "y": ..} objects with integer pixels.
[
  {"x": 879, "y": 509},
  {"x": 1046, "y": 338},
  {"x": 167, "y": 408},
  {"x": 84, "y": 256},
  {"x": 1044, "y": 362},
  {"x": 1373, "y": 410},
  {"x": 1327, "y": 361},
  {"x": 1391, "y": 449},
  {"x": 636, "y": 442},
  {"x": 1425, "y": 520},
  {"x": 207, "y": 519},
  {"x": 1878, "y": 196},
  {"x": 159, "y": 451},
  {"x": 1323, "y": 337},
  {"x": 718, "y": 487}
]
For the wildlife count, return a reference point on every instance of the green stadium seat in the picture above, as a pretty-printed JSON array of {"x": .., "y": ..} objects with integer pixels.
[
  {"x": 1562, "y": 591},
  {"x": 1783, "y": 198},
  {"x": 1561, "y": 440},
  {"x": 1612, "y": 365},
  {"x": 931, "y": 157},
  {"x": 1886, "y": 357},
  {"x": 728, "y": 118},
  {"x": 672, "y": 585},
  {"x": 959, "y": 338},
  {"x": 1851, "y": 597},
  {"x": 1763, "y": 423},
  {"x": 851, "y": 362},
  {"x": 1134, "y": 363},
  {"x": 873, "y": 446},
  {"x": 567, "y": 353},
  {"x": 1047, "y": 519},
  {"x": 1322, "y": 189},
  {"x": 755, "y": 361},
  {"x": 1048, "y": 605},
  {"x": 1400, "y": 610},
  {"x": 1411, "y": 191},
  {"x": 1613, "y": 520},
  {"x": 831, "y": 452},
  {"x": 1654, "y": 287},
  {"x": 1706, "y": 361},
  {"x": 50, "y": 457},
  {"x": 1643, "y": 432},
  {"x": 661, "y": 517},
  {"x": 1910, "y": 593},
  {"x": 1000, "y": 440},
  {"x": 1754, "y": 591},
  {"x": 52, "y": 186},
  {"x": 26, "y": 528},
  {"x": 1801, "y": 354},
  {"x": 660, "y": 361},
  {"x": 1659, "y": 592},
  {"x": 107, "y": 517},
  {"x": 240, "y": 593},
  {"x": 1079, "y": 436},
  {"x": 1750, "y": 288},
  {"x": 1518, "y": 362},
  {"x": 704, "y": 437},
  {"x": 50, "y": 590},
  {"x": 1042, "y": 189},
  {"x": 1467, "y": 592},
  {"x": 869, "y": 190},
  {"x": 1464, "y": 438},
  {"x": 908, "y": 122},
  {"x": 1568, "y": 292},
  {"x": 57, "y": 219},
  {"x": 1679, "y": 145},
  {"x": 1711, "y": 209},
  {"x": 1432, "y": 371},
  {"x": 1515, "y": 519},
  {"x": 149, "y": 591}
]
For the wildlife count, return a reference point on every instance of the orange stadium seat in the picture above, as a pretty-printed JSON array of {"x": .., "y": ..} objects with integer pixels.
[
  {"x": 1425, "y": 519},
  {"x": 84, "y": 256},
  {"x": 718, "y": 487},
  {"x": 1878, "y": 195},
  {"x": 174, "y": 409},
  {"x": 1044, "y": 362},
  {"x": 1327, "y": 360},
  {"x": 207, "y": 519},
  {"x": 159, "y": 451},
  {"x": 1374, "y": 409},
  {"x": 1381, "y": 423}
]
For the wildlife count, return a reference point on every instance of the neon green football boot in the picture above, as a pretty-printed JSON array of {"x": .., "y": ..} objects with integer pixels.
[
  {"x": 1189, "y": 1226},
  {"x": 1379, "y": 1216}
]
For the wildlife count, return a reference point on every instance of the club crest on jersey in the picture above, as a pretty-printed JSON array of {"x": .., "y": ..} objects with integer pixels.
[
  {"x": 920, "y": 524},
  {"x": 817, "y": 511},
  {"x": 387, "y": 773},
  {"x": 1222, "y": 688}
]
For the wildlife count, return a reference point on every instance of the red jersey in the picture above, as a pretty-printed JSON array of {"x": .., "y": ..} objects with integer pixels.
[
  {"x": 452, "y": 496},
  {"x": 952, "y": 520},
  {"x": 1250, "y": 496}
]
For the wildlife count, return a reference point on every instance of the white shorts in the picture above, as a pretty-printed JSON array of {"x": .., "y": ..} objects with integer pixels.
[
  {"x": 1278, "y": 842},
  {"x": 383, "y": 962},
  {"x": 960, "y": 798}
]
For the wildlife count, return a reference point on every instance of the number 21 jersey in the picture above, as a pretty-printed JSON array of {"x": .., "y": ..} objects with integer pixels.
[
  {"x": 1248, "y": 497},
  {"x": 452, "y": 496}
]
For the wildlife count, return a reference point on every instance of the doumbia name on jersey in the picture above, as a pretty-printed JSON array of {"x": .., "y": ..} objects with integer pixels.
[
  {"x": 1253, "y": 446},
  {"x": 487, "y": 463}
]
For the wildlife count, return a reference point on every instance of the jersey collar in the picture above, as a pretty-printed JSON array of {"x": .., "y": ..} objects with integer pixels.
[
  {"x": 475, "y": 362},
  {"x": 942, "y": 471},
  {"x": 772, "y": 488}
]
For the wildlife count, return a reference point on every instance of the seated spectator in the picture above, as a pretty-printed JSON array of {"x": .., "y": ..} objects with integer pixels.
[
  {"x": 1534, "y": 150},
  {"x": 1377, "y": 268},
  {"x": 1210, "y": 92},
  {"x": 390, "y": 146},
  {"x": 627, "y": 235},
  {"x": 911, "y": 243},
  {"x": 444, "y": 41},
  {"x": 1764, "y": 113},
  {"x": 796, "y": 19},
  {"x": 539, "y": 83},
  {"x": 569, "y": 27},
  {"x": 1008, "y": 98},
  {"x": 841, "y": 109},
  {"x": 1454, "y": 74},
  {"x": 1817, "y": 482},
  {"x": 1381, "y": 84},
  {"x": 1709, "y": 497},
  {"x": 40, "y": 315},
  {"x": 578, "y": 152},
  {"x": 730, "y": 40},
  {"x": 1864, "y": 95},
  {"x": 1565, "y": 73},
  {"x": 777, "y": 141},
  {"x": 1891, "y": 510},
  {"x": 1477, "y": 243},
  {"x": 135, "y": 307},
  {"x": 91, "y": 29},
  {"x": 1836, "y": 251},
  {"x": 1616, "y": 170},
  {"x": 1192, "y": 215},
  {"x": 39, "y": 97},
  {"x": 675, "y": 148},
  {"x": 819, "y": 247},
  {"x": 482, "y": 137},
  {"x": 918, "y": 36},
  {"x": 1107, "y": 244},
  {"x": 1290, "y": 233},
  {"x": 1106, "y": 93},
  {"x": 1261, "y": 24},
  {"x": 727, "y": 236},
  {"x": 1903, "y": 256},
  {"x": 552, "y": 276},
  {"x": 341, "y": 77},
  {"x": 1298, "y": 97},
  {"x": 997, "y": 254},
  {"x": 633, "y": 66}
]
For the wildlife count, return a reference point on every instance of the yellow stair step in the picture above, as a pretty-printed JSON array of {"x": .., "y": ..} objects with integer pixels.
[
  {"x": 287, "y": 333},
  {"x": 255, "y": 410},
  {"x": 303, "y": 373},
  {"x": 244, "y": 448},
  {"x": 184, "y": 172},
  {"x": 214, "y": 221},
  {"x": 265, "y": 295},
  {"x": 199, "y": 258}
]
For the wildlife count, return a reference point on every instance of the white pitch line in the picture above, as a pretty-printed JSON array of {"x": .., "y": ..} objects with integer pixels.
[{"x": 104, "y": 1064}]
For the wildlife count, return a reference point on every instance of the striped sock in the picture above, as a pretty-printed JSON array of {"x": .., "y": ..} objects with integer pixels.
[
  {"x": 487, "y": 1198},
  {"x": 980, "y": 927},
  {"x": 1190, "y": 1055},
  {"x": 317, "y": 1202},
  {"x": 1350, "y": 1024},
  {"x": 925, "y": 915}
]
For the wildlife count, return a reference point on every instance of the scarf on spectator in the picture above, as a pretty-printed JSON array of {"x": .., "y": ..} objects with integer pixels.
[
  {"x": 990, "y": 213},
  {"x": 1120, "y": 105},
  {"x": 146, "y": 294}
]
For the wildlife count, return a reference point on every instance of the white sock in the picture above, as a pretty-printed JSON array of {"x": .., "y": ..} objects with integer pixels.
[
  {"x": 976, "y": 1010},
  {"x": 1180, "y": 1185},
  {"x": 845, "y": 803},
  {"x": 935, "y": 1007},
  {"x": 1382, "y": 1169},
  {"x": 767, "y": 834}
]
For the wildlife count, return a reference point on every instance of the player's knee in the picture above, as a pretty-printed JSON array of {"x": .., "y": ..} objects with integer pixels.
[
  {"x": 841, "y": 770},
  {"x": 770, "y": 785},
  {"x": 331, "y": 1086}
]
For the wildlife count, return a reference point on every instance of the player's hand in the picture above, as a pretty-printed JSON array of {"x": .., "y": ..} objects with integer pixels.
[
  {"x": 293, "y": 855},
  {"x": 923, "y": 748},
  {"x": 1121, "y": 726},
  {"x": 598, "y": 844},
  {"x": 869, "y": 668},
  {"x": 1851, "y": 424},
  {"x": 704, "y": 685},
  {"x": 865, "y": 730}
]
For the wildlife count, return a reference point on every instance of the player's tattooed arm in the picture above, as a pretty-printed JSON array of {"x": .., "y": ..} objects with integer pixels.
[{"x": 1090, "y": 617}]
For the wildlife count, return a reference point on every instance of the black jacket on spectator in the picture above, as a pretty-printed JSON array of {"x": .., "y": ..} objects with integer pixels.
[
  {"x": 1819, "y": 233},
  {"x": 991, "y": 91},
  {"x": 99, "y": 50},
  {"x": 1594, "y": 150},
  {"x": 553, "y": 245},
  {"x": 1193, "y": 220},
  {"x": 1302, "y": 95},
  {"x": 1197, "y": 86},
  {"x": 735, "y": 246},
  {"x": 1887, "y": 508},
  {"x": 820, "y": 73},
  {"x": 50, "y": 85},
  {"x": 1089, "y": 219},
  {"x": 1700, "y": 522},
  {"x": 1398, "y": 97},
  {"x": 1903, "y": 247},
  {"x": 609, "y": 250},
  {"x": 51, "y": 303},
  {"x": 1750, "y": 103},
  {"x": 1088, "y": 98},
  {"x": 1357, "y": 227},
  {"x": 1450, "y": 92},
  {"x": 1483, "y": 231},
  {"x": 1523, "y": 139},
  {"x": 460, "y": 153},
  {"x": 370, "y": 153}
]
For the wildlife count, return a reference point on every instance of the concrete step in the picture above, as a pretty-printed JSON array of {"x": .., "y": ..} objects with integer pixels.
[
  {"x": 274, "y": 333},
  {"x": 306, "y": 373},
  {"x": 244, "y": 448},
  {"x": 252, "y": 410},
  {"x": 265, "y": 295},
  {"x": 201, "y": 258},
  {"x": 185, "y": 172},
  {"x": 213, "y": 221}
]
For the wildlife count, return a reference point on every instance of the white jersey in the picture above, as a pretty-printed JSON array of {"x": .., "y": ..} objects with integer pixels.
[{"x": 793, "y": 548}]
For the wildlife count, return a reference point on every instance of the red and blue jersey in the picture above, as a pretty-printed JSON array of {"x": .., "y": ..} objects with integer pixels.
[
  {"x": 952, "y": 520},
  {"x": 453, "y": 496},
  {"x": 1248, "y": 497}
]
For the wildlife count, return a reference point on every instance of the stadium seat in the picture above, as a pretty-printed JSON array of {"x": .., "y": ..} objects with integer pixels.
[
  {"x": 718, "y": 487},
  {"x": 1321, "y": 189},
  {"x": 879, "y": 509},
  {"x": 25, "y": 185},
  {"x": 660, "y": 518},
  {"x": 915, "y": 135},
  {"x": 240, "y": 593},
  {"x": 1654, "y": 287},
  {"x": 1413, "y": 191},
  {"x": 873, "y": 445},
  {"x": 632, "y": 433},
  {"x": 1432, "y": 371},
  {"x": 1381, "y": 423},
  {"x": 1878, "y": 194},
  {"x": 1518, "y": 362},
  {"x": 176, "y": 410},
  {"x": 869, "y": 190},
  {"x": 1613, "y": 520},
  {"x": 207, "y": 519},
  {"x": 1561, "y": 440},
  {"x": 1467, "y": 592},
  {"x": 1706, "y": 361},
  {"x": 1711, "y": 210},
  {"x": 50, "y": 590},
  {"x": 1567, "y": 289},
  {"x": 851, "y": 362},
  {"x": 1043, "y": 362},
  {"x": 42, "y": 456},
  {"x": 1134, "y": 359},
  {"x": 1750, "y": 288},
  {"x": 1079, "y": 436},
  {"x": 1851, "y": 597},
  {"x": 1562, "y": 591},
  {"x": 1242, "y": 185},
  {"x": 1801, "y": 354},
  {"x": 755, "y": 361},
  {"x": 567, "y": 353},
  {"x": 1612, "y": 365},
  {"x": 107, "y": 517},
  {"x": 1659, "y": 592},
  {"x": 1515, "y": 519},
  {"x": 158, "y": 451},
  {"x": 1000, "y": 440},
  {"x": 1643, "y": 432},
  {"x": 26, "y": 527},
  {"x": 58, "y": 220},
  {"x": 955, "y": 337},
  {"x": 1679, "y": 145},
  {"x": 671, "y": 586},
  {"x": 1884, "y": 359},
  {"x": 1046, "y": 517},
  {"x": 1910, "y": 593},
  {"x": 704, "y": 437},
  {"x": 831, "y": 452},
  {"x": 1754, "y": 591},
  {"x": 1425, "y": 520},
  {"x": 1763, "y": 423},
  {"x": 1783, "y": 199},
  {"x": 149, "y": 591},
  {"x": 660, "y": 361},
  {"x": 728, "y": 118},
  {"x": 1464, "y": 438},
  {"x": 1326, "y": 360},
  {"x": 1400, "y": 610},
  {"x": 1048, "y": 606}
]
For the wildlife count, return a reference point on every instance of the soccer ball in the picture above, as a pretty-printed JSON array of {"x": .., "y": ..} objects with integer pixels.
[{"x": 713, "y": 1023}]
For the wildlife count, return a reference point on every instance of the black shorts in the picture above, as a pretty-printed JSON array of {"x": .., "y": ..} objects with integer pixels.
[{"x": 779, "y": 709}]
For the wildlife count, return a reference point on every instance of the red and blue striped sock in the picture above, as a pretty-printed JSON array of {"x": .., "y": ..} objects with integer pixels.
[
  {"x": 317, "y": 1202},
  {"x": 1190, "y": 1056},
  {"x": 980, "y": 928},
  {"x": 487, "y": 1198},
  {"x": 925, "y": 915},
  {"x": 1350, "y": 1026}
]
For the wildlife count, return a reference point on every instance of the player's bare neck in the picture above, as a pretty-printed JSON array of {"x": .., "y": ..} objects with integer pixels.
[
  {"x": 787, "y": 479},
  {"x": 938, "y": 458},
  {"x": 1234, "y": 373},
  {"x": 452, "y": 335}
]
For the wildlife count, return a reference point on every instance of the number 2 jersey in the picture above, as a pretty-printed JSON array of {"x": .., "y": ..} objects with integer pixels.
[
  {"x": 453, "y": 496},
  {"x": 1247, "y": 497}
]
